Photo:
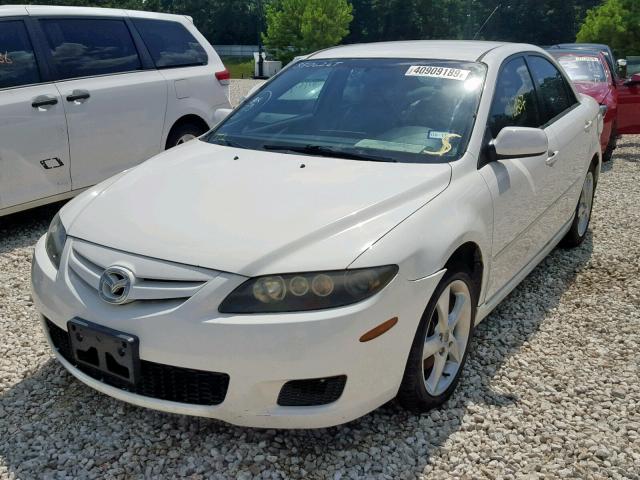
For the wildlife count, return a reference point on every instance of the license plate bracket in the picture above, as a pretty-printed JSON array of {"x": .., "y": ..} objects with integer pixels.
[{"x": 109, "y": 351}]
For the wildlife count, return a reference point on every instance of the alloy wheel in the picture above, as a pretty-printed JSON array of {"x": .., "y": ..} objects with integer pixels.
[
  {"x": 586, "y": 202},
  {"x": 446, "y": 338}
]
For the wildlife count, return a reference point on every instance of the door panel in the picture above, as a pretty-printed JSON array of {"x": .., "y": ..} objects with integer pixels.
[
  {"x": 571, "y": 137},
  {"x": 521, "y": 189},
  {"x": 34, "y": 148},
  {"x": 629, "y": 109},
  {"x": 518, "y": 189},
  {"x": 115, "y": 109},
  {"x": 118, "y": 126}
]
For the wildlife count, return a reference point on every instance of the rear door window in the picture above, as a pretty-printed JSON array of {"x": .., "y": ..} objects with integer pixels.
[
  {"x": 514, "y": 101},
  {"x": 85, "y": 47},
  {"x": 556, "y": 95},
  {"x": 170, "y": 43},
  {"x": 17, "y": 61}
]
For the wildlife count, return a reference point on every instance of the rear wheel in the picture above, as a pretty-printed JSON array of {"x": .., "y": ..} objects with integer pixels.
[
  {"x": 184, "y": 133},
  {"x": 612, "y": 145},
  {"x": 578, "y": 231},
  {"x": 439, "y": 350}
]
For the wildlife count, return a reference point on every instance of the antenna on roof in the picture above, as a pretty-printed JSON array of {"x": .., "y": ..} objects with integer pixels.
[{"x": 487, "y": 21}]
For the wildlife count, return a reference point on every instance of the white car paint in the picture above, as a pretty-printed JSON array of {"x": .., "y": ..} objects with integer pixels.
[
  {"x": 126, "y": 120},
  {"x": 218, "y": 215}
]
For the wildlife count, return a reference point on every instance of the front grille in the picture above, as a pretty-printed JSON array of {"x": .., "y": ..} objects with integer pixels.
[
  {"x": 307, "y": 393},
  {"x": 164, "y": 382},
  {"x": 144, "y": 289}
]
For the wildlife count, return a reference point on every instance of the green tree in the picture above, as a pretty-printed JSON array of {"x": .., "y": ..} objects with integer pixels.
[
  {"x": 616, "y": 23},
  {"x": 297, "y": 27}
]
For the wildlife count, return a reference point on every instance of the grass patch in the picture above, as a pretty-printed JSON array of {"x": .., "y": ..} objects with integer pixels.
[{"x": 239, "y": 67}]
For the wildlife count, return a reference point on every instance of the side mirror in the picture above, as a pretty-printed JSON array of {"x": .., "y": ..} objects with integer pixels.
[
  {"x": 519, "y": 142},
  {"x": 221, "y": 113},
  {"x": 634, "y": 80}
]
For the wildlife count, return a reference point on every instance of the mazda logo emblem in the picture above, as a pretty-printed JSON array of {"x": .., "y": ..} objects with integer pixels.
[{"x": 115, "y": 285}]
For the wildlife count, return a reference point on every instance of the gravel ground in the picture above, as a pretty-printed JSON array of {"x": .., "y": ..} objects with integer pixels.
[
  {"x": 241, "y": 87},
  {"x": 551, "y": 389}
]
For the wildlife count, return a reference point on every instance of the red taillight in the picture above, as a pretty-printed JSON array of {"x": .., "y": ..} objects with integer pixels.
[{"x": 223, "y": 77}]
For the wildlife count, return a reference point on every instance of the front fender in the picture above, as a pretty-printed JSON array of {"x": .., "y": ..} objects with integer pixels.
[{"x": 424, "y": 242}]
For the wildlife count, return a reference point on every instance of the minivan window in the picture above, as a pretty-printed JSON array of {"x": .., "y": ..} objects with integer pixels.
[
  {"x": 514, "y": 101},
  {"x": 170, "y": 43},
  {"x": 84, "y": 47},
  {"x": 370, "y": 109},
  {"x": 556, "y": 96},
  {"x": 17, "y": 60}
]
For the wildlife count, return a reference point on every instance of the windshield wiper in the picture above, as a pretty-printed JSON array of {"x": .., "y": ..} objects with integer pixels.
[
  {"x": 226, "y": 142},
  {"x": 322, "y": 151}
]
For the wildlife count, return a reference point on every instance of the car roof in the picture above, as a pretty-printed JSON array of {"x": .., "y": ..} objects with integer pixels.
[
  {"x": 12, "y": 10},
  {"x": 585, "y": 45},
  {"x": 50, "y": 10},
  {"x": 461, "y": 50},
  {"x": 575, "y": 51}
]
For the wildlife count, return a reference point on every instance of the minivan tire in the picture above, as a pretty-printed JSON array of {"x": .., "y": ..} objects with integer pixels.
[{"x": 182, "y": 133}]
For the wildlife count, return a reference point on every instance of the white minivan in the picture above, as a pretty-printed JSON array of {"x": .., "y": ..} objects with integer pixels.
[{"x": 86, "y": 93}]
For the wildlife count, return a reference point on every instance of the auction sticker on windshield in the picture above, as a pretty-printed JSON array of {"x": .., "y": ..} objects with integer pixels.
[{"x": 437, "y": 72}]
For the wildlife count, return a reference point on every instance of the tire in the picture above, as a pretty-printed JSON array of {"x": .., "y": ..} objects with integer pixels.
[
  {"x": 183, "y": 133},
  {"x": 612, "y": 145},
  {"x": 580, "y": 225},
  {"x": 420, "y": 391}
]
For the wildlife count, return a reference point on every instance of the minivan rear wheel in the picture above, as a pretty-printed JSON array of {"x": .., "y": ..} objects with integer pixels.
[
  {"x": 441, "y": 344},
  {"x": 184, "y": 133}
]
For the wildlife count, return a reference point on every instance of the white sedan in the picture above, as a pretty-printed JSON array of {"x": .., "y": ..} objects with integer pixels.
[{"x": 332, "y": 243}]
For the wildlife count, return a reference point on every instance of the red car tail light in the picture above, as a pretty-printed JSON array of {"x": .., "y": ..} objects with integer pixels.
[{"x": 223, "y": 77}]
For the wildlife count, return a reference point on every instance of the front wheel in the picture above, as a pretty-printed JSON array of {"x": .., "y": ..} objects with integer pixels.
[
  {"x": 578, "y": 231},
  {"x": 440, "y": 347}
]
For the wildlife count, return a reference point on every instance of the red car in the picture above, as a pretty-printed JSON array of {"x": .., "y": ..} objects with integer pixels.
[{"x": 592, "y": 75}]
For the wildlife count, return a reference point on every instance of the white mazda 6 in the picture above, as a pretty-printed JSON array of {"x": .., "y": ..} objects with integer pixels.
[{"x": 331, "y": 243}]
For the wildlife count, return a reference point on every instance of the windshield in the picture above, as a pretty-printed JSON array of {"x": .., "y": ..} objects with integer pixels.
[
  {"x": 363, "y": 109},
  {"x": 583, "y": 68}
]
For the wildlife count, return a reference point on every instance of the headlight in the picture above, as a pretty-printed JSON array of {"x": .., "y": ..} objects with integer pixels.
[
  {"x": 54, "y": 244},
  {"x": 297, "y": 292}
]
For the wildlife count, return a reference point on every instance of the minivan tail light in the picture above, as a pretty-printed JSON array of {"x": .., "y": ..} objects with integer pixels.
[{"x": 223, "y": 77}]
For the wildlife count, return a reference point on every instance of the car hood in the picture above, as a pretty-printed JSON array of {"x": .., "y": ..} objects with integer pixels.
[
  {"x": 598, "y": 91},
  {"x": 253, "y": 212}
]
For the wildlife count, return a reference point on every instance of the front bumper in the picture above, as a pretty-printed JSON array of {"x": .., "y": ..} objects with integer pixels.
[{"x": 259, "y": 353}]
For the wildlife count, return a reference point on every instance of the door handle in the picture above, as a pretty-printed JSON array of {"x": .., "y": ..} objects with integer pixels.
[
  {"x": 587, "y": 125},
  {"x": 77, "y": 95},
  {"x": 43, "y": 101},
  {"x": 551, "y": 159}
]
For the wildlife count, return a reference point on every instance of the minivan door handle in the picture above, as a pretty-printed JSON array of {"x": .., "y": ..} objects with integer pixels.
[
  {"x": 587, "y": 125},
  {"x": 78, "y": 95},
  {"x": 44, "y": 101}
]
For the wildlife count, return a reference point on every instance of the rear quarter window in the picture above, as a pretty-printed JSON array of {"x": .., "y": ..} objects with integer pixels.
[{"x": 170, "y": 43}]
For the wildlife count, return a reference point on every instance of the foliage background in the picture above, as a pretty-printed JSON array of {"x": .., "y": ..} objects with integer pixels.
[{"x": 534, "y": 21}]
